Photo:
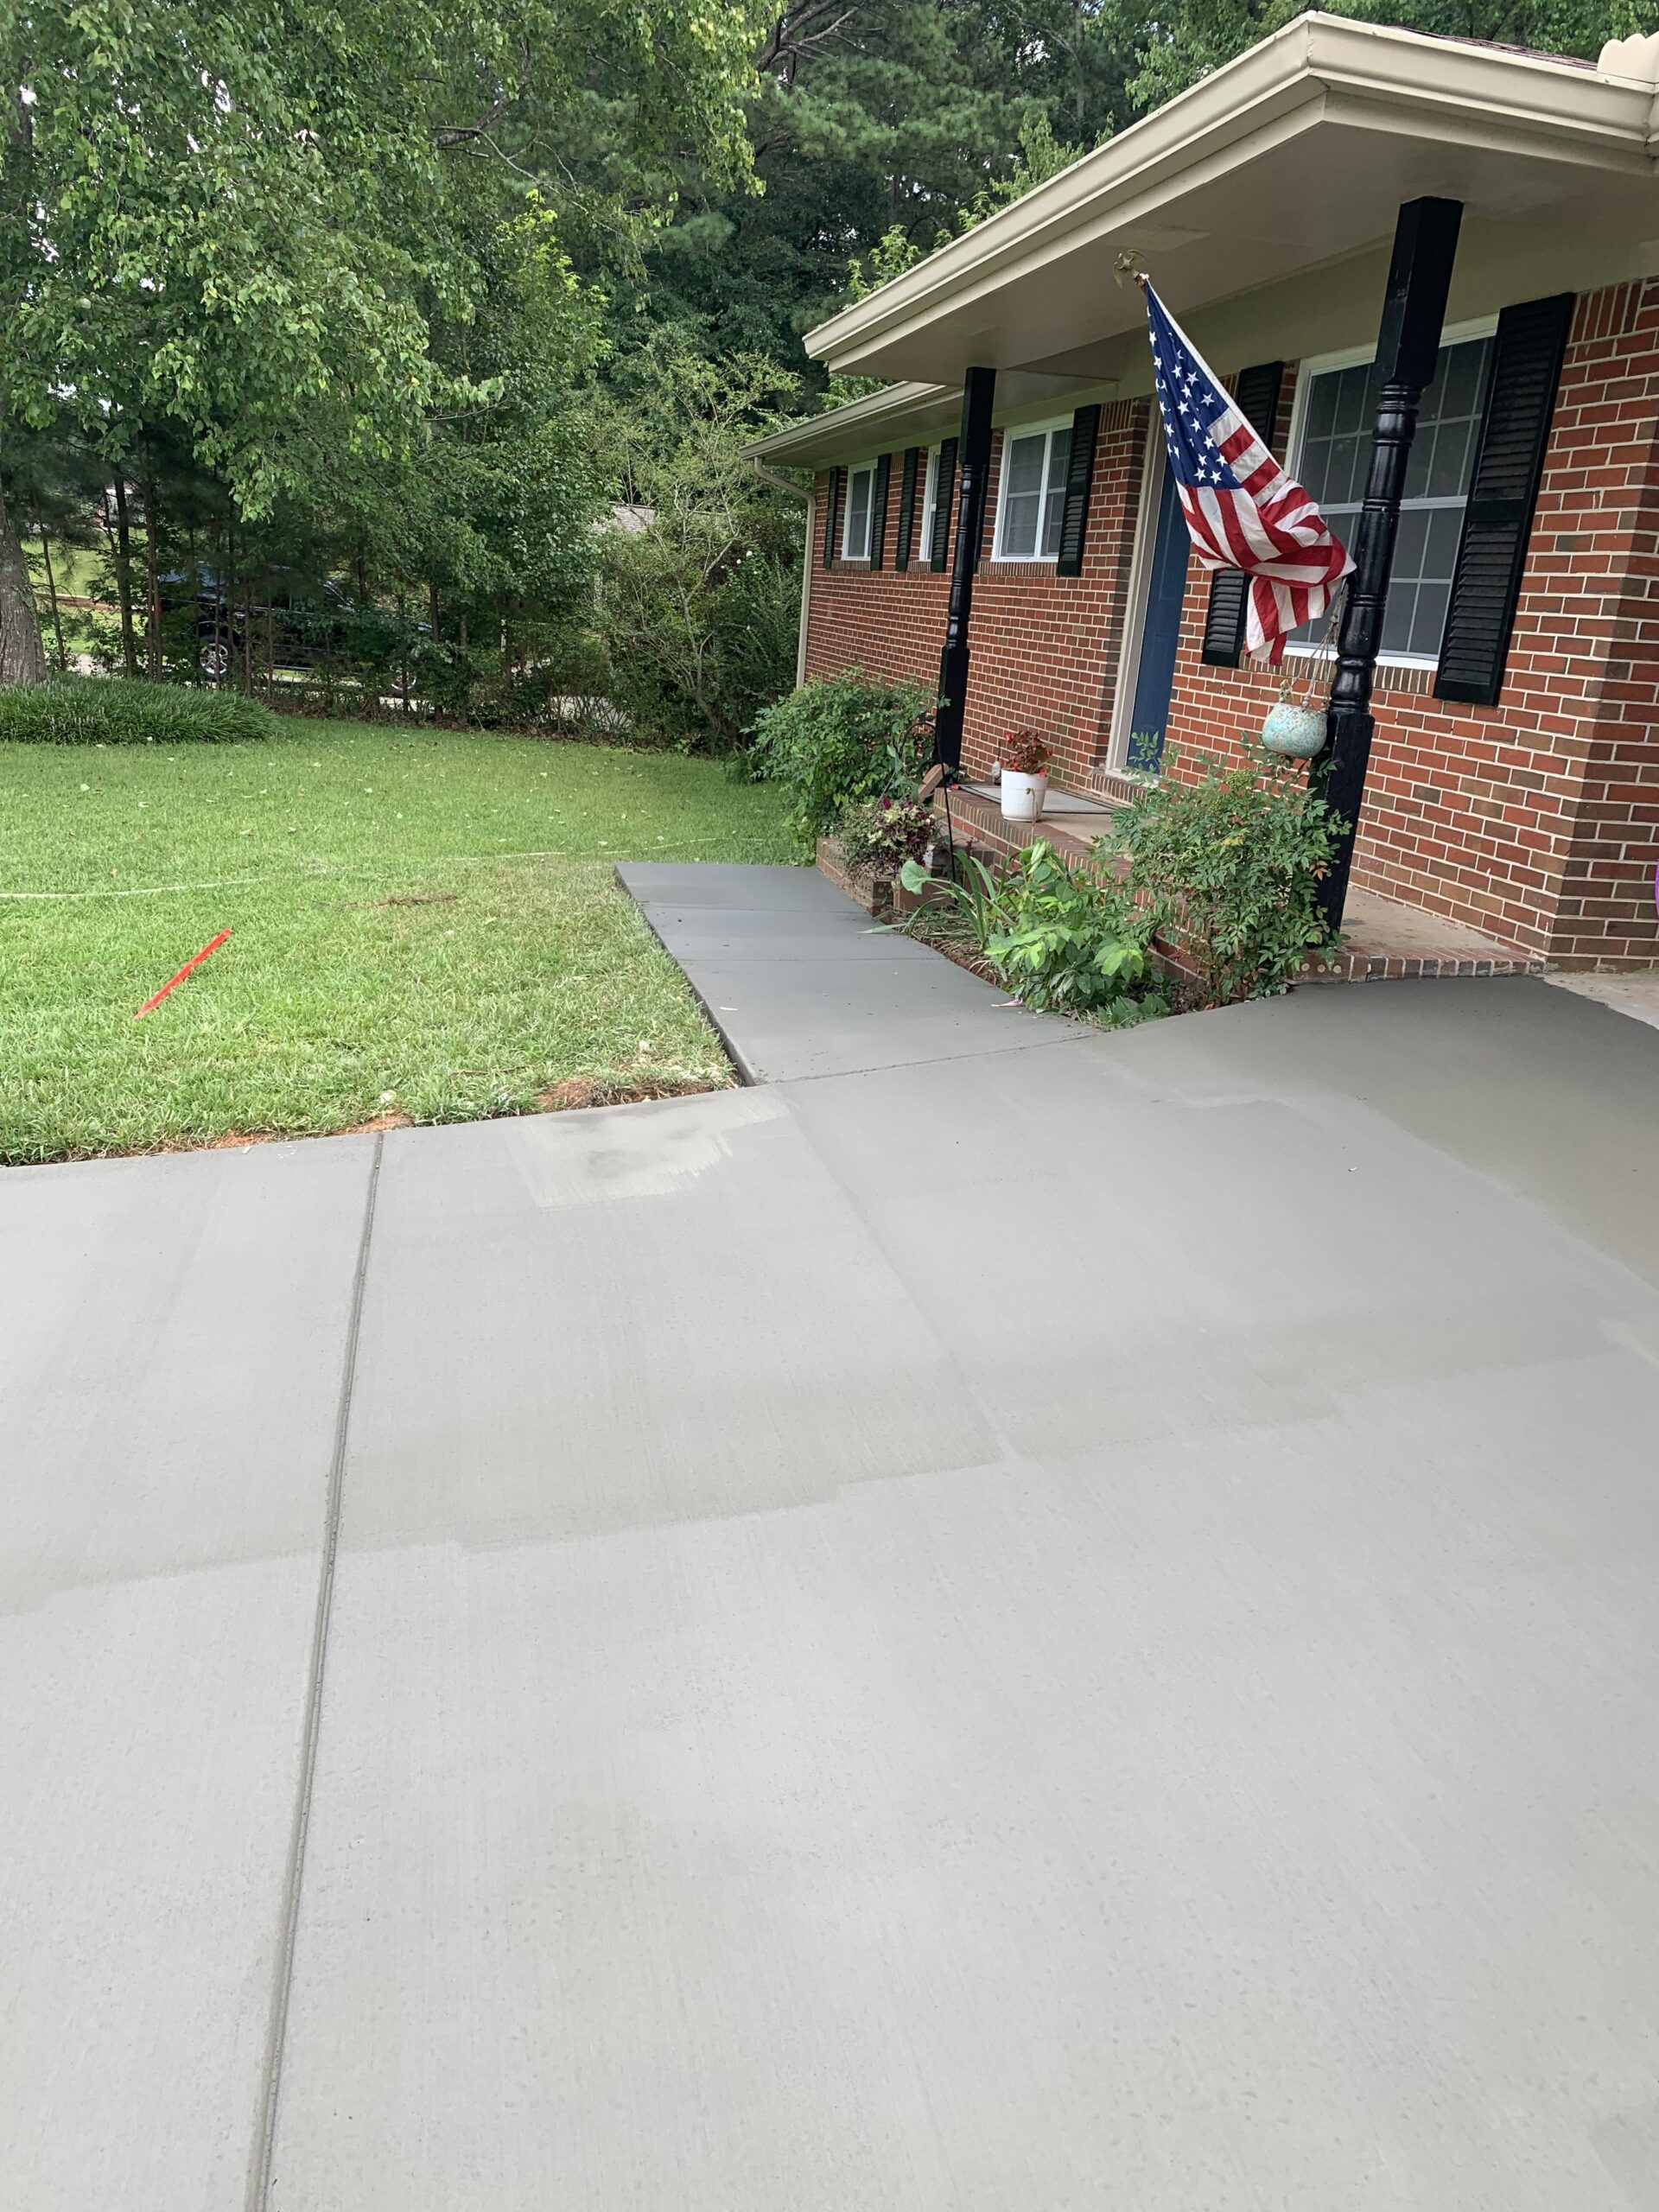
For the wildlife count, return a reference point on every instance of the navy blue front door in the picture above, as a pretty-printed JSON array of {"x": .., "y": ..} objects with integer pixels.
[{"x": 1162, "y": 629}]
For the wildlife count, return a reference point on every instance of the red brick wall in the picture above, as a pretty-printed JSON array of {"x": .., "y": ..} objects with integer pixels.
[
  {"x": 1044, "y": 647},
  {"x": 1537, "y": 819}
]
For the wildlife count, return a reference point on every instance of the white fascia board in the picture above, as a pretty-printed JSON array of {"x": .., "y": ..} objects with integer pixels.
[{"x": 1316, "y": 66}]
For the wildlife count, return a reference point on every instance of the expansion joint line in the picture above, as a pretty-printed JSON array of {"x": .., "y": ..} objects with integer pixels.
[{"x": 264, "y": 2141}]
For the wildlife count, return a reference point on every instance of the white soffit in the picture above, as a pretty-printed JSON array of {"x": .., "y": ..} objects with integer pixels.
[{"x": 1296, "y": 155}]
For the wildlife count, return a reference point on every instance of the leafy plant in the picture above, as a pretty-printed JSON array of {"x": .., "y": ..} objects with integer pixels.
[
  {"x": 1066, "y": 938},
  {"x": 882, "y": 834},
  {"x": 1023, "y": 752},
  {"x": 1230, "y": 865},
  {"x": 1063, "y": 936},
  {"x": 964, "y": 905},
  {"x": 121, "y": 711},
  {"x": 837, "y": 740}
]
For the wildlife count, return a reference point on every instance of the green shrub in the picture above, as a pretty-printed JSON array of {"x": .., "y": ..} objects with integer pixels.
[
  {"x": 119, "y": 710},
  {"x": 1063, "y": 936},
  {"x": 1230, "y": 865},
  {"x": 840, "y": 739}
]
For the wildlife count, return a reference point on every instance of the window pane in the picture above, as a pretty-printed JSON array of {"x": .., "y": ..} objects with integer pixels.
[
  {"x": 856, "y": 545},
  {"x": 1025, "y": 464},
  {"x": 1428, "y": 623},
  {"x": 1060, "y": 460},
  {"x": 1019, "y": 507},
  {"x": 1396, "y": 620}
]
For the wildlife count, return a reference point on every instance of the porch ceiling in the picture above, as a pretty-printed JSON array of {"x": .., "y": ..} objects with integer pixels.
[{"x": 1291, "y": 160}]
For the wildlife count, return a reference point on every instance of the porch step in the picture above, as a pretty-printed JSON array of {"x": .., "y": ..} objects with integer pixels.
[
  {"x": 1072, "y": 823},
  {"x": 1387, "y": 941}
]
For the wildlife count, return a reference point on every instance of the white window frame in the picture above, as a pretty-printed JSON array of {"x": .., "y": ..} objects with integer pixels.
[
  {"x": 1456, "y": 334},
  {"x": 1044, "y": 429},
  {"x": 863, "y": 468},
  {"x": 929, "y": 504}
]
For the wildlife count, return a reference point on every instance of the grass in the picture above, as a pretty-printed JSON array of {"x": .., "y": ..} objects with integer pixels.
[{"x": 424, "y": 925}]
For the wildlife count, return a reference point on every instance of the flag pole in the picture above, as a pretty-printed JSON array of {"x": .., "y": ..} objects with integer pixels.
[{"x": 1414, "y": 312}]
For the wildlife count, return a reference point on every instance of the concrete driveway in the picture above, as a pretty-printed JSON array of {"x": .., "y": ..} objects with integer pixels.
[{"x": 1066, "y": 1621}]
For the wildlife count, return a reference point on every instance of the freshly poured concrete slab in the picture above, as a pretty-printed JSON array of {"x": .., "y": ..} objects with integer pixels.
[
  {"x": 1063, "y": 1629},
  {"x": 828, "y": 1015},
  {"x": 732, "y": 884},
  {"x": 799, "y": 984},
  {"x": 171, "y": 1336},
  {"x": 701, "y": 934}
]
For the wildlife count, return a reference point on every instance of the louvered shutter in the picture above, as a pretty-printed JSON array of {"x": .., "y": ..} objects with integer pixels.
[
  {"x": 1079, "y": 483},
  {"x": 908, "y": 508},
  {"x": 1497, "y": 522},
  {"x": 944, "y": 488},
  {"x": 879, "y": 510},
  {"x": 1223, "y": 617},
  {"x": 832, "y": 515}
]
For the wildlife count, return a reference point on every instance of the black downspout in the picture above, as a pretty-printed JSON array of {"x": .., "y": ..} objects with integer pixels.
[
  {"x": 973, "y": 463},
  {"x": 1420, "y": 275}
]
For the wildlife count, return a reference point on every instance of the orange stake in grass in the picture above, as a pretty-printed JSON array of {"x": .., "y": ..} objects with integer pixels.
[{"x": 173, "y": 981}]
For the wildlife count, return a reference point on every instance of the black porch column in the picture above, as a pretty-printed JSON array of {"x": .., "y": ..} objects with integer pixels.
[
  {"x": 1420, "y": 275},
  {"x": 974, "y": 462}
]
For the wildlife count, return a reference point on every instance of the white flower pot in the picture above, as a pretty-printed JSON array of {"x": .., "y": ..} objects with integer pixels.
[{"x": 1023, "y": 796}]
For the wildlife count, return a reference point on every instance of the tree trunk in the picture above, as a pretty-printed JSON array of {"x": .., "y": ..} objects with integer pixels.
[
  {"x": 153, "y": 578},
  {"x": 52, "y": 595},
  {"x": 23, "y": 657},
  {"x": 123, "y": 575}
]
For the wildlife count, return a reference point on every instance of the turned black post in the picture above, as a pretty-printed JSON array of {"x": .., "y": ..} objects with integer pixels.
[
  {"x": 973, "y": 463},
  {"x": 1420, "y": 275}
]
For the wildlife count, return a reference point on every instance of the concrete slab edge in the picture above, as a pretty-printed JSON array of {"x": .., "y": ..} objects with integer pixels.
[{"x": 747, "y": 1072}]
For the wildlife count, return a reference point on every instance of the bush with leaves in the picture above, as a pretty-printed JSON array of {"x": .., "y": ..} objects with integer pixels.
[
  {"x": 697, "y": 605},
  {"x": 840, "y": 739},
  {"x": 123, "y": 710},
  {"x": 1062, "y": 935},
  {"x": 1229, "y": 866}
]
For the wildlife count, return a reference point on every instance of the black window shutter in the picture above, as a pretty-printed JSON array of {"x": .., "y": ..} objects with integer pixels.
[
  {"x": 944, "y": 488},
  {"x": 1497, "y": 522},
  {"x": 908, "y": 508},
  {"x": 832, "y": 515},
  {"x": 1224, "y": 618},
  {"x": 1079, "y": 483},
  {"x": 879, "y": 510}
]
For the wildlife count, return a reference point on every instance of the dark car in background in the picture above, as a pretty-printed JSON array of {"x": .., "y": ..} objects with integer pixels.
[{"x": 297, "y": 623}]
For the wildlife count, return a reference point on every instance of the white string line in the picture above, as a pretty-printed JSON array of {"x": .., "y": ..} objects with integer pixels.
[{"x": 334, "y": 875}]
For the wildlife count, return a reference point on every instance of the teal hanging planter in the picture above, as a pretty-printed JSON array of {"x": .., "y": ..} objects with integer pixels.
[{"x": 1294, "y": 733}]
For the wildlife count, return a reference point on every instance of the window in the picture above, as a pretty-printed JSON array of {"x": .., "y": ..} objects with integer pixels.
[
  {"x": 930, "y": 505},
  {"x": 855, "y": 528},
  {"x": 1031, "y": 498},
  {"x": 1338, "y": 412}
]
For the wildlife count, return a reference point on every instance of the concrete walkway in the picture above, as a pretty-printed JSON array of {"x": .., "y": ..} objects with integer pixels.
[{"x": 1066, "y": 1624}]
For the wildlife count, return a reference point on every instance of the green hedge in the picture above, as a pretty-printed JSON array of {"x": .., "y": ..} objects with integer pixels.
[
  {"x": 116, "y": 710},
  {"x": 840, "y": 739}
]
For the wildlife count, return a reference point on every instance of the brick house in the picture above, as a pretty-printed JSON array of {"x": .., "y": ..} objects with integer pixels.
[{"x": 1514, "y": 780}]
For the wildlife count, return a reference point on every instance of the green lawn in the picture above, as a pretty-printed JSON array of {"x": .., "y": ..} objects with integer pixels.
[{"x": 424, "y": 923}]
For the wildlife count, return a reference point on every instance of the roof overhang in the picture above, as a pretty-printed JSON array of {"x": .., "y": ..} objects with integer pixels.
[{"x": 1294, "y": 157}]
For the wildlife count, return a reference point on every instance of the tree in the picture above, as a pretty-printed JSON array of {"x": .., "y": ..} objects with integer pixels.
[
  {"x": 242, "y": 216},
  {"x": 698, "y": 602}
]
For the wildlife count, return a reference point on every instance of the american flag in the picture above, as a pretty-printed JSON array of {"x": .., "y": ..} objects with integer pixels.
[{"x": 1243, "y": 512}]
